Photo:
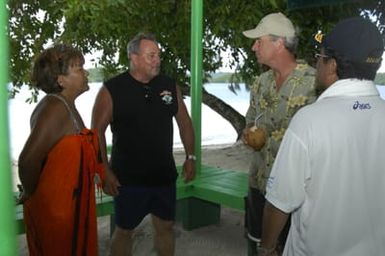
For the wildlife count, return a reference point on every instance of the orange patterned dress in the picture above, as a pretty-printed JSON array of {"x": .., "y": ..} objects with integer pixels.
[{"x": 60, "y": 216}]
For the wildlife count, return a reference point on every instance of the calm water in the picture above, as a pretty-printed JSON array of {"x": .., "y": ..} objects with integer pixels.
[{"x": 215, "y": 129}]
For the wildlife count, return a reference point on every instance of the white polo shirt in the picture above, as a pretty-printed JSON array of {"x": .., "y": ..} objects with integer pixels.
[{"x": 330, "y": 173}]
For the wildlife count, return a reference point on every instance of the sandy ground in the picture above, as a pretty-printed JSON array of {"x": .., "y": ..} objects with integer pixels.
[{"x": 224, "y": 239}]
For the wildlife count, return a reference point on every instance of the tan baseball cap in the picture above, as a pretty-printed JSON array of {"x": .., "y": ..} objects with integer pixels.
[{"x": 272, "y": 24}]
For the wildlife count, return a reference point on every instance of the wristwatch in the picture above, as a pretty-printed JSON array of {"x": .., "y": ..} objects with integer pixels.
[{"x": 191, "y": 157}]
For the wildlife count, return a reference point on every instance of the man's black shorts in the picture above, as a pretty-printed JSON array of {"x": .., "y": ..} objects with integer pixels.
[{"x": 134, "y": 202}]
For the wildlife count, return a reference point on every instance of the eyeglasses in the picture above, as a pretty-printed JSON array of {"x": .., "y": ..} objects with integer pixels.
[
  {"x": 319, "y": 55},
  {"x": 149, "y": 56},
  {"x": 148, "y": 93}
]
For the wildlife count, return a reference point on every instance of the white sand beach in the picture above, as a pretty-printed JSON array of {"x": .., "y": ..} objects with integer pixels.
[{"x": 224, "y": 239}]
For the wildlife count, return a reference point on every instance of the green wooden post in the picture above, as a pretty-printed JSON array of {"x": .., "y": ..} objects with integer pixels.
[
  {"x": 196, "y": 76},
  {"x": 7, "y": 213}
]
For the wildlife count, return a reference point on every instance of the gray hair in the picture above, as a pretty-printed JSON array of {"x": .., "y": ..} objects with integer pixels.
[
  {"x": 134, "y": 45},
  {"x": 290, "y": 43}
]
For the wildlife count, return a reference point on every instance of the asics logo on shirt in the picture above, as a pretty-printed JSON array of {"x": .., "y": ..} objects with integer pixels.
[
  {"x": 270, "y": 182},
  {"x": 361, "y": 106}
]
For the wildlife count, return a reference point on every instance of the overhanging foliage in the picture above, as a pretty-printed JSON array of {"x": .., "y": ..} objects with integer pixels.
[{"x": 107, "y": 26}]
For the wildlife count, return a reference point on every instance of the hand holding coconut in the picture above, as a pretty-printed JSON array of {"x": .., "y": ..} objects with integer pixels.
[{"x": 255, "y": 136}]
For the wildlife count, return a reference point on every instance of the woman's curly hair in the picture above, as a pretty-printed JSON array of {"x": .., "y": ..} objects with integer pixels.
[{"x": 51, "y": 63}]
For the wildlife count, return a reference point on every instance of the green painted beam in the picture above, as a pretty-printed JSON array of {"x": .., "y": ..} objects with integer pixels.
[
  {"x": 7, "y": 215},
  {"x": 196, "y": 76}
]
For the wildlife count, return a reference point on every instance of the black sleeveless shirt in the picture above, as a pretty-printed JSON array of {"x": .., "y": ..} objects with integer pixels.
[{"x": 142, "y": 130}]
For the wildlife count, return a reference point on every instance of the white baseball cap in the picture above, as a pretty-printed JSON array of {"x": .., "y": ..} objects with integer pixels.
[{"x": 272, "y": 24}]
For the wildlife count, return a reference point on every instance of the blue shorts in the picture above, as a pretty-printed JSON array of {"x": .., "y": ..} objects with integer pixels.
[{"x": 134, "y": 202}]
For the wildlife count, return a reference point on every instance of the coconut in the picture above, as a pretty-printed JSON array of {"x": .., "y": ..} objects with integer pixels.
[{"x": 256, "y": 137}]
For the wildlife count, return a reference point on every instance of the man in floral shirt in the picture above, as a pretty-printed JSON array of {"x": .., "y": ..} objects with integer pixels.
[{"x": 275, "y": 96}]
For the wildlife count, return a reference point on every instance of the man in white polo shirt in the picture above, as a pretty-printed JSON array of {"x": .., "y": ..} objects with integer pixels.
[{"x": 330, "y": 171}]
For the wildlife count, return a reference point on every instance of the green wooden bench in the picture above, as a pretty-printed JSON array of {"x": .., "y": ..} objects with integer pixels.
[
  {"x": 213, "y": 188},
  {"x": 198, "y": 202}
]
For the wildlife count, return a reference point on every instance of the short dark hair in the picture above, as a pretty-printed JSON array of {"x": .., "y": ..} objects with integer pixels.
[
  {"x": 349, "y": 69},
  {"x": 51, "y": 63}
]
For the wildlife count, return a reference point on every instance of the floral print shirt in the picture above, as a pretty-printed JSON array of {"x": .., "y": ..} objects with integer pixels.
[{"x": 277, "y": 108}]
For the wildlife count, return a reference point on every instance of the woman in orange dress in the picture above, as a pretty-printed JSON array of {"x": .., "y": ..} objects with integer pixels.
[{"x": 60, "y": 164}]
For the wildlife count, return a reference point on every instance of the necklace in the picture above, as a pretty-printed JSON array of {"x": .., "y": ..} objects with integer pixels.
[{"x": 74, "y": 114}]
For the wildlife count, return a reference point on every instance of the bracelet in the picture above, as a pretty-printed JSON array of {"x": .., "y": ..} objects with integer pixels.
[
  {"x": 265, "y": 251},
  {"x": 191, "y": 157}
]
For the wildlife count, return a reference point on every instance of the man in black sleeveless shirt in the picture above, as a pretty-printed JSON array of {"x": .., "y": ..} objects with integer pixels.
[{"x": 139, "y": 105}]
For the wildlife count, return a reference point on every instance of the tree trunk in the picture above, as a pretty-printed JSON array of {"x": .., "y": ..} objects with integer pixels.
[{"x": 222, "y": 108}]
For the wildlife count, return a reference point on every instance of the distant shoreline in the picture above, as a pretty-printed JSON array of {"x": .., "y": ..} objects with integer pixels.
[{"x": 96, "y": 76}]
